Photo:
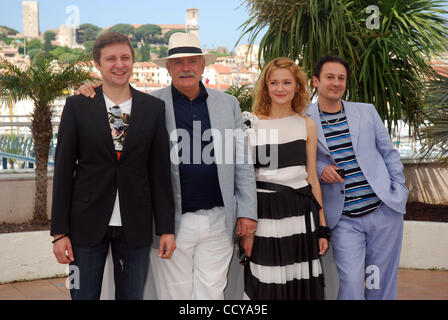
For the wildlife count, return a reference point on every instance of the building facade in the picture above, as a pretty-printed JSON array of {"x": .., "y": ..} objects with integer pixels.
[
  {"x": 66, "y": 37},
  {"x": 30, "y": 19},
  {"x": 192, "y": 20}
]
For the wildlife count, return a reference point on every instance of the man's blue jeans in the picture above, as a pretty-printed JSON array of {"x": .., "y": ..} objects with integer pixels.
[{"x": 130, "y": 268}]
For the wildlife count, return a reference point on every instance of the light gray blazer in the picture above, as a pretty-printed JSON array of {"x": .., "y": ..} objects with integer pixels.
[
  {"x": 237, "y": 178},
  {"x": 376, "y": 156}
]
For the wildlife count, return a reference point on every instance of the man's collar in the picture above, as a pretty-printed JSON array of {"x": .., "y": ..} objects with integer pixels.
[
  {"x": 319, "y": 106},
  {"x": 202, "y": 92}
]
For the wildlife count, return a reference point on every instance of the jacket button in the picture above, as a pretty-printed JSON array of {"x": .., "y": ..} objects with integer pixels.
[
  {"x": 328, "y": 156},
  {"x": 342, "y": 191}
]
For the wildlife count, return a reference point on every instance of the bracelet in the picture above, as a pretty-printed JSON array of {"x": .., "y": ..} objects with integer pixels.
[
  {"x": 323, "y": 232},
  {"x": 58, "y": 238}
]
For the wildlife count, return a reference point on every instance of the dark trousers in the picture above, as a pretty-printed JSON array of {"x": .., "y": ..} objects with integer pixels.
[{"x": 130, "y": 268}]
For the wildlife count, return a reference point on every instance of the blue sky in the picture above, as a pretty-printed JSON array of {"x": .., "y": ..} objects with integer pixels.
[{"x": 218, "y": 19}]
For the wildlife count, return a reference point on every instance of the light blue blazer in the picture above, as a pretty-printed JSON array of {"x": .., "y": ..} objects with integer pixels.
[
  {"x": 376, "y": 156},
  {"x": 237, "y": 178}
]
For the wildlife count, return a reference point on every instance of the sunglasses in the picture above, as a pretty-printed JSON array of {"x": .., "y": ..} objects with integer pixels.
[{"x": 116, "y": 113}]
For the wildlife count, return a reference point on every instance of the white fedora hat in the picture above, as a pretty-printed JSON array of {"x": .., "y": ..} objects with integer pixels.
[{"x": 184, "y": 45}]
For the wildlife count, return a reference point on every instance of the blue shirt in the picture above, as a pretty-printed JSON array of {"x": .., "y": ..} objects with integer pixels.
[{"x": 199, "y": 182}]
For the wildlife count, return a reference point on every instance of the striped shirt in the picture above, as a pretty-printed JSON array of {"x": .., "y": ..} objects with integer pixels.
[{"x": 360, "y": 199}]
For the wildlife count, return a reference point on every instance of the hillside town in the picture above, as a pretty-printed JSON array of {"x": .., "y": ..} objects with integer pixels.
[{"x": 237, "y": 68}]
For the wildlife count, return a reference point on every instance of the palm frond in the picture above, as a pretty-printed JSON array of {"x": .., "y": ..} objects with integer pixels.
[
  {"x": 42, "y": 83},
  {"x": 389, "y": 65}
]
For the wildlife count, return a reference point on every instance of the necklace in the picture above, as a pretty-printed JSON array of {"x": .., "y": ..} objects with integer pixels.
[{"x": 322, "y": 115}]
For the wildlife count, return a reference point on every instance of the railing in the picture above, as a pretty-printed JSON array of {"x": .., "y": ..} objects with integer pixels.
[{"x": 17, "y": 145}]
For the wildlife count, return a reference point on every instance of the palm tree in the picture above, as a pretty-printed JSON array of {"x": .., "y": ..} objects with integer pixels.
[
  {"x": 389, "y": 59},
  {"x": 434, "y": 134},
  {"x": 42, "y": 84},
  {"x": 243, "y": 95}
]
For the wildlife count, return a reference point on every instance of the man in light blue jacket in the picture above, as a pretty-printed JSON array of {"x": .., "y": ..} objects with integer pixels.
[{"x": 363, "y": 188}]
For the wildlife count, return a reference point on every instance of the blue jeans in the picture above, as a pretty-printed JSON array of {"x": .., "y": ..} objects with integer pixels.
[{"x": 130, "y": 268}]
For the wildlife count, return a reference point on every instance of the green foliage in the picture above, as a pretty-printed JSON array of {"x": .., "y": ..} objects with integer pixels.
[
  {"x": 144, "y": 53},
  {"x": 87, "y": 32},
  {"x": 149, "y": 33},
  {"x": 244, "y": 96},
  {"x": 11, "y": 146},
  {"x": 220, "y": 54},
  {"x": 89, "y": 47},
  {"x": 65, "y": 54},
  {"x": 433, "y": 134},
  {"x": 66, "y": 58},
  {"x": 163, "y": 52},
  {"x": 62, "y": 54},
  {"x": 41, "y": 83},
  {"x": 167, "y": 35},
  {"x": 6, "y": 40},
  {"x": 32, "y": 53},
  {"x": 33, "y": 44},
  {"x": 134, "y": 44},
  {"x": 56, "y": 52},
  {"x": 48, "y": 37},
  {"x": 123, "y": 28},
  {"x": 37, "y": 57},
  {"x": 388, "y": 63},
  {"x": 7, "y": 31}
]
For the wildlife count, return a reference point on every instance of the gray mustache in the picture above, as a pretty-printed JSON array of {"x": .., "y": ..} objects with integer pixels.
[{"x": 186, "y": 74}]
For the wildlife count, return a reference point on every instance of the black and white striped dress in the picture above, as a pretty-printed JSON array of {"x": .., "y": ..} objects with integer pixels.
[{"x": 285, "y": 262}]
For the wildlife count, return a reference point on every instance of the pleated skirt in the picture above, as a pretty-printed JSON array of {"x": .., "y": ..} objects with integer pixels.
[{"x": 285, "y": 262}]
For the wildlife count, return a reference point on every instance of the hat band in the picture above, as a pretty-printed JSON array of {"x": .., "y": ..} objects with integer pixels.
[{"x": 184, "y": 50}]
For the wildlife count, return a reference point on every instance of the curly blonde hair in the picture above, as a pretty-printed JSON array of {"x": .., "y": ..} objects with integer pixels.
[{"x": 262, "y": 100}]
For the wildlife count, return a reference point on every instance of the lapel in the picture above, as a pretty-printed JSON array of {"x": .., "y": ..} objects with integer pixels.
[
  {"x": 352, "y": 114},
  {"x": 214, "y": 113},
  {"x": 98, "y": 114},
  {"x": 313, "y": 111},
  {"x": 167, "y": 97},
  {"x": 215, "y": 109}
]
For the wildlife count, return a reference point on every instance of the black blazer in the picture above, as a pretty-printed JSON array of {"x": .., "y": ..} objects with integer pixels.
[{"x": 87, "y": 173}]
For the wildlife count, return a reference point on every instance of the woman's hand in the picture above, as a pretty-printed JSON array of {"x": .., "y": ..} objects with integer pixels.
[{"x": 323, "y": 246}]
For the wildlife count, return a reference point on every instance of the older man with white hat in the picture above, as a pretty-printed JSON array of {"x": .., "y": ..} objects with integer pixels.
[{"x": 211, "y": 197}]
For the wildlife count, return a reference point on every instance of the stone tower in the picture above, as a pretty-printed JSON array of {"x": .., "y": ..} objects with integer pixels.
[
  {"x": 192, "y": 24},
  {"x": 30, "y": 19}
]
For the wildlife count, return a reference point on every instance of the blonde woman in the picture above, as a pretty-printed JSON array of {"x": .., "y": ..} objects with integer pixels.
[{"x": 292, "y": 234}]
